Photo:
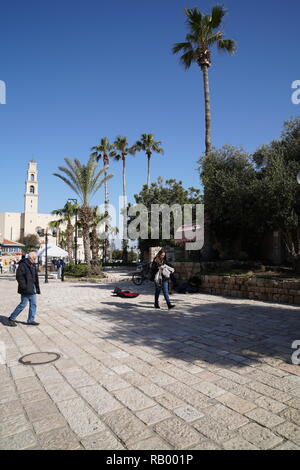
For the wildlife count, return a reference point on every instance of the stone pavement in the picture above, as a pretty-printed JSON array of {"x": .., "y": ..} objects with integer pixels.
[{"x": 214, "y": 373}]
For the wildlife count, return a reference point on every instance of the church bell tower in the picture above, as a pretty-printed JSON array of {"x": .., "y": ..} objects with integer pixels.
[{"x": 31, "y": 195}]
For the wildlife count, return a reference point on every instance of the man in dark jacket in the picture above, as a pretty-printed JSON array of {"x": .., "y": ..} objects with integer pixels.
[{"x": 28, "y": 287}]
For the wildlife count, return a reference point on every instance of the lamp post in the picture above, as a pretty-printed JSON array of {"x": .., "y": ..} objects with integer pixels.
[
  {"x": 44, "y": 233},
  {"x": 76, "y": 228}
]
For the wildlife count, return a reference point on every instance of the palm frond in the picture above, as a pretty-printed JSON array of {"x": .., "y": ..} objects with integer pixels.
[
  {"x": 227, "y": 45},
  {"x": 217, "y": 14}
]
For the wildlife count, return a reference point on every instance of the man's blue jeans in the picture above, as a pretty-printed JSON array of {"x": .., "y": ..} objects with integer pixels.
[
  {"x": 165, "y": 288},
  {"x": 32, "y": 307}
]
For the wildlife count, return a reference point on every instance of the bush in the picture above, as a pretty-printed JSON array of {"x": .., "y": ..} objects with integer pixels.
[{"x": 76, "y": 270}]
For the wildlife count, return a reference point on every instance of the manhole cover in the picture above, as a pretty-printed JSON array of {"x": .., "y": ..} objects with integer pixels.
[{"x": 35, "y": 359}]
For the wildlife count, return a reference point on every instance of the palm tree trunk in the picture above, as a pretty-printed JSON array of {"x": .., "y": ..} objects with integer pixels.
[
  {"x": 148, "y": 178},
  {"x": 207, "y": 109},
  {"x": 85, "y": 217},
  {"x": 125, "y": 253},
  {"x": 69, "y": 241},
  {"x": 207, "y": 249},
  {"x": 106, "y": 203}
]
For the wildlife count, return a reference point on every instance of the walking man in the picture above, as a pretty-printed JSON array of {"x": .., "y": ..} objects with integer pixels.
[{"x": 28, "y": 287}]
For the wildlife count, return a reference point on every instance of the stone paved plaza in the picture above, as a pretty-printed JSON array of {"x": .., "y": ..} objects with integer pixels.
[{"x": 214, "y": 373}]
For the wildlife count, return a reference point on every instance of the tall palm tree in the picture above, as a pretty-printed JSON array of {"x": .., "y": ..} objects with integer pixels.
[
  {"x": 148, "y": 144},
  {"x": 94, "y": 237},
  {"x": 85, "y": 181},
  {"x": 67, "y": 213},
  {"x": 104, "y": 151},
  {"x": 203, "y": 34},
  {"x": 121, "y": 151}
]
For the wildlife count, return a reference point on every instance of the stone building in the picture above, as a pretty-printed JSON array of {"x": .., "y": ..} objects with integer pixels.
[{"x": 14, "y": 226}]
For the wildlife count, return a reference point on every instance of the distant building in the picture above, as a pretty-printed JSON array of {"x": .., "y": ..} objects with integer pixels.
[{"x": 14, "y": 226}]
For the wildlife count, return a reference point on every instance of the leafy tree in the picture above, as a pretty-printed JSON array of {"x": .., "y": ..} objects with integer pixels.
[
  {"x": 67, "y": 214},
  {"x": 31, "y": 242},
  {"x": 169, "y": 193}
]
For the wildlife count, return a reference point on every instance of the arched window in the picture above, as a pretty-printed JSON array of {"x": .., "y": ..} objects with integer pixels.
[
  {"x": 32, "y": 177},
  {"x": 31, "y": 189}
]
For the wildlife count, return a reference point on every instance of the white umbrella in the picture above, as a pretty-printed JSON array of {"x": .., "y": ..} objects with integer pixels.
[{"x": 53, "y": 252}]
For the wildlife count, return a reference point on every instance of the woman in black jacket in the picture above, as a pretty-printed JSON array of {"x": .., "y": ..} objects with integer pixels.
[{"x": 163, "y": 282}]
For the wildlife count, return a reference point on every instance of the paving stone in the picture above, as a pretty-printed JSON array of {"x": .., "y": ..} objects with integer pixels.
[
  {"x": 177, "y": 433},
  {"x": 60, "y": 391},
  {"x": 239, "y": 379},
  {"x": 209, "y": 389},
  {"x": 187, "y": 394},
  {"x": 104, "y": 440},
  {"x": 153, "y": 443},
  {"x": 288, "y": 446},
  {"x": 78, "y": 378},
  {"x": 294, "y": 403},
  {"x": 121, "y": 369},
  {"x": 214, "y": 430},
  {"x": 101, "y": 400},
  {"x": 236, "y": 403},
  {"x": 291, "y": 414},
  {"x": 290, "y": 431},
  {"x": 239, "y": 443},
  {"x": 33, "y": 395},
  {"x": 134, "y": 399},
  {"x": 162, "y": 379},
  {"x": 205, "y": 444},
  {"x": 151, "y": 390},
  {"x": 231, "y": 419},
  {"x": 241, "y": 390},
  {"x": 21, "y": 372},
  {"x": 270, "y": 405},
  {"x": 260, "y": 436},
  {"x": 265, "y": 418},
  {"x": 169, "y": 401},
  {"x": 40, "y": 409},
  {"x": 11, "y": 409},
  {"x": 188, "y": 413},
  {"x": 48, "y": 423},
  {"x": 208, "y": 376},
  {"x": 27, "y": 384},
  {"x": 270, "y": 392},
  {"x": 153, "y": 415},
  {"x": 59, "y": 439},
  {"x": 13, "y": 425},
  {"x": 20, "y": 441},
  {"x": 126, "y": 426},
  {"x": 83, "y": 421}
]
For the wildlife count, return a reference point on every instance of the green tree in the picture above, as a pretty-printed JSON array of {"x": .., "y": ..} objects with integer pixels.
[
  {"x": 148, "y": 144},
  {"x": 67, "y": 214},
  {"x": 31, "y": 242},
  {"x": 170, "y": 193},
  {"x": 85, "y": 180},
  {"x": 122, "y": 149}
]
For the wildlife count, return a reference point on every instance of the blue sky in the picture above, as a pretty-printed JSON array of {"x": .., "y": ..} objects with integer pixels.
[{"x": 77, "y": 71}]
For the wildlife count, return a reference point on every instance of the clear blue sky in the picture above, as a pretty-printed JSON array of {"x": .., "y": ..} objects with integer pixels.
[{"x": 77, "y": 71}]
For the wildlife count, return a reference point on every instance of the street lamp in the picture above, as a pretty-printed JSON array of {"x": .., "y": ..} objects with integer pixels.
[
  {"x": 44, "y": 233},
  {"x": 76, "y": 228}
]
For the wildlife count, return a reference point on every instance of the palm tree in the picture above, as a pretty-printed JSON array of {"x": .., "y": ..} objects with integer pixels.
[
  {"x": 203, "y": 35},
  {"x": 104, "y": 151},
  {"x": 85, "y": 181},
  {"x": 120, "y": 153},
  {"x": 149, "y": 145},
  {"x": 67, "y": 213}
]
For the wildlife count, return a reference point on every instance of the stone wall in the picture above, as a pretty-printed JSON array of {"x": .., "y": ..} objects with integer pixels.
[
  {"x": 187, "y": 270},
  {"x": 252, "y": 288}
]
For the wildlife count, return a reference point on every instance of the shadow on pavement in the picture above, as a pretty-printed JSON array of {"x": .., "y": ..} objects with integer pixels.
[{"x": 221, "y": 333}]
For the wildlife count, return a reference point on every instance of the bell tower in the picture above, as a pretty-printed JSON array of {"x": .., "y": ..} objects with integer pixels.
[{"x": 31, "y": 195}]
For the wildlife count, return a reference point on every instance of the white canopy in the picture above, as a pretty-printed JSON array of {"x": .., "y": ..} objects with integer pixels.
[{"x": 53, "y": 252}]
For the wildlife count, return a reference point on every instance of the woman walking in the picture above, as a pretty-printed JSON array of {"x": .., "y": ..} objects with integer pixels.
[{"x": 160, "y": 274}]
